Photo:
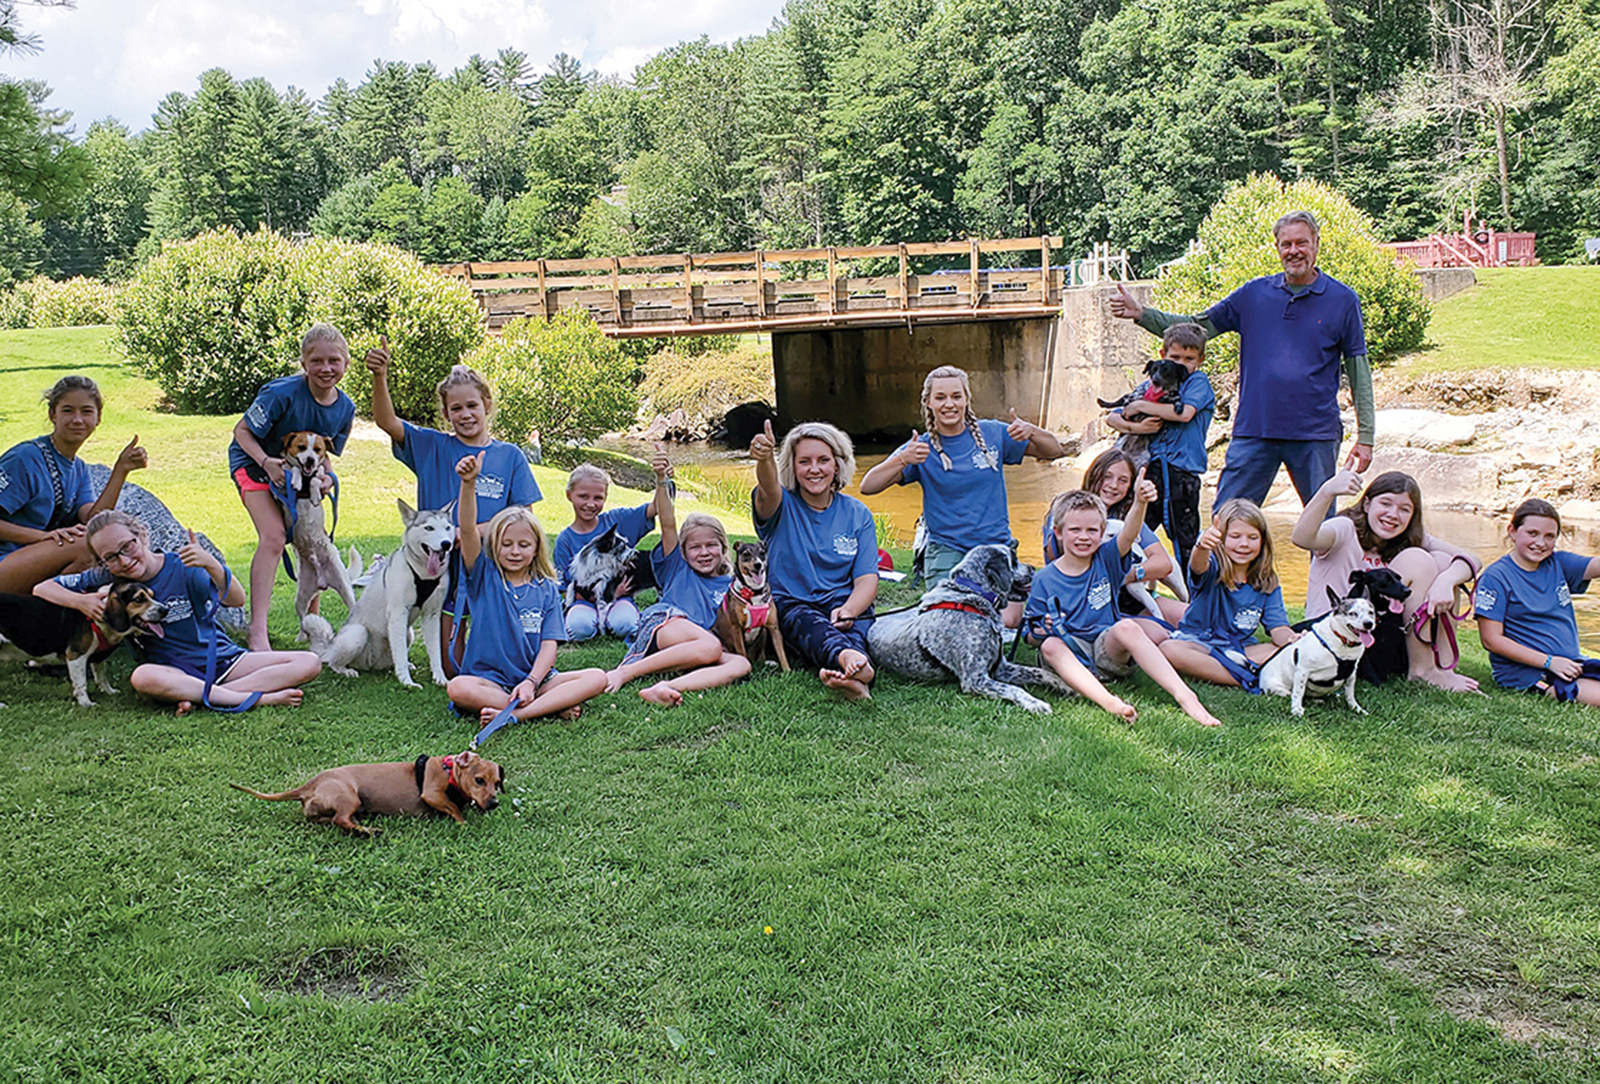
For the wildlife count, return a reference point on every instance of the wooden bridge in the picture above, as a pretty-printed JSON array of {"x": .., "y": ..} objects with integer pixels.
[{"x": 788, "y": 290}]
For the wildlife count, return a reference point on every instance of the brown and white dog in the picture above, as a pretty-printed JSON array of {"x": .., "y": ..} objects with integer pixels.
[
  {"x": 35, "y": 629},
  {"x": 748, "y": 620},
  {"x": 444, "y": 784},
  {"x": 305, "y": 465}
]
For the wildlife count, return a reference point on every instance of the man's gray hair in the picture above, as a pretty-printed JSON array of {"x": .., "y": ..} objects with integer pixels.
[{"x": 1305, "y": 218}]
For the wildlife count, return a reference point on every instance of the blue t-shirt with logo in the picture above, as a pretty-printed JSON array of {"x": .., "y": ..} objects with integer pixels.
[
  {"x": 1535, "y": 609},
  {"x": 1183, "y": 444},
  {"x": 965, "y": 506},
  {"x": 1223, "y": 616},
  {"x": 1290, "y": 349},
  {"x": 27, "y": 491},
  {"x": 814, "y": 557},
  {"x": 632, "y": 524},
  {"x": 509, "y": 623},
  {"x": 686, "y": 591},
  {"x": 285, "y": 406},
  {"x": 432, "y": 456},
  {"x": 1083, "y": 606},
  {"x": 186, "y": 593}
]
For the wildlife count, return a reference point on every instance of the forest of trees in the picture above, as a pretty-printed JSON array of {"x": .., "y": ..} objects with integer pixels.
[{"x": 855, "y": 122}]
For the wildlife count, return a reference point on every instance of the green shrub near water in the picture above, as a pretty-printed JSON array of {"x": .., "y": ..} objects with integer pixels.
[
  {"x": 75, "y": 302},
  {"x": 1236, "y": 246},
  {"x": 212, "y": 319}
]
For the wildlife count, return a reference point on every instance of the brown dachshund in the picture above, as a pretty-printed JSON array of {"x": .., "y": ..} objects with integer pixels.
[{"x": 409, "y": 787}]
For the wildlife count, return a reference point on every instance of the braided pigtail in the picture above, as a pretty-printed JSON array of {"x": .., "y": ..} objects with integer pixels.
[
  {"x": 932, "y": 429},
  {"x": 992, "y": 458}
]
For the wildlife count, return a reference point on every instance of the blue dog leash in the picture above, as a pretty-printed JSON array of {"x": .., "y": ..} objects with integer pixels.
[
  {"x": 212, "y": 607},
  {"x": 505, "y": 717},
  {"x": 291, "y": 512}
]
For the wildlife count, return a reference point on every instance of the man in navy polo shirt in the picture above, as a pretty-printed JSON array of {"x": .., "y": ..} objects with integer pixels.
[{"x": 1296, "y": 330}]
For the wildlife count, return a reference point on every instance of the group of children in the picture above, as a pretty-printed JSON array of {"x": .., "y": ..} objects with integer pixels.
[{"x": 1076, "y": 612}]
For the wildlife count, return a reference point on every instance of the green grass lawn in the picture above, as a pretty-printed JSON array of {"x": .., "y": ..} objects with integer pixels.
[
  {"x": 769, "y": 885},
  {"x": 1514, "y": 318}
]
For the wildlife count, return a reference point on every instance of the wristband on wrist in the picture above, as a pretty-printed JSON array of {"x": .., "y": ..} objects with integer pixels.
[{"x": 1549, "y": 660}]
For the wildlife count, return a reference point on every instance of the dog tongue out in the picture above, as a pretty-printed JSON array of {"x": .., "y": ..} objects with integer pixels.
[
  {"x": 1396, "y": 606},
  {"x": 433, "y": 564},
  {"x": 1365, "y": 637}
]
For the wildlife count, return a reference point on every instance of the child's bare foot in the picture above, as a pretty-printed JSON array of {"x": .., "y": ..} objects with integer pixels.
[
  {"x": 663, "y": 694},
  {"x": 849, "y": 686},
  {"x": 486, "y": 715},
  {"x": 1204, "y": 717},
  {"x": 575, "y": 712},
  {"x": 851, "y": 662},
  {"x": 1448, "y": 680},
  {"x": 283, "y": 697},
  {"x": 1124, "y": 710},
  {"x": 185, "y": 707}
]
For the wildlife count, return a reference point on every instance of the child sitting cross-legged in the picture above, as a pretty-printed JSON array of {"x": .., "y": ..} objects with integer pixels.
[
  {"x": 515, "y": 605},
  {"x": 1233, "y": 592},
  {"x": 1072, "y": 608},
  {"x": 587, "y": 487},
  {"x": 693, "y": 570}
]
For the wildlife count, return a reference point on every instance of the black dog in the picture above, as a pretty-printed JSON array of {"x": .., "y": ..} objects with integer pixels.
[
  {"x": 1387, "y": 656},
  {"x": 600, "y": 567},
  {"x": 1165, "y": 384}
]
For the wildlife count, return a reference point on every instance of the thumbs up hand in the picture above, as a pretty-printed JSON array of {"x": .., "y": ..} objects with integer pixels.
[
  {"x": 132, "y": 457},
  {"x": 1020, "y": 429},
  {"x": 764, "y": 446},
  {"x": 1124, "y": 304},
  {"x": 914, "y": 451}
]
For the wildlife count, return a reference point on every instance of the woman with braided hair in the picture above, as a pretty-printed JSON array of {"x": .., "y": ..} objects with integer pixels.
[{"x": 958, "y": 462}]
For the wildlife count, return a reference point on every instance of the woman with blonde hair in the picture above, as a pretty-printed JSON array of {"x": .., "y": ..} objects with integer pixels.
[{"x": 822, "y": 551}]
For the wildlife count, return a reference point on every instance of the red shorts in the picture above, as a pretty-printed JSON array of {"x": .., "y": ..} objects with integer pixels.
[{"x": 252, "y": 479}]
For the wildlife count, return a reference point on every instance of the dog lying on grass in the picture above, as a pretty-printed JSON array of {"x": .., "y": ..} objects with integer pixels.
[
  {"x": 954, "y": 635},
  {"x": 443, "y": 784}
]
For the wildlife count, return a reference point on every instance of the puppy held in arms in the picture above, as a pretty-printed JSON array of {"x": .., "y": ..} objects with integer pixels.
[
  {"x": 1325, "y": 659},
  {"x": 305, "y": 464},
  {"x": 605, "y": 568},
  {"x": 954, "y": 635},
  {"x": 1165, "y": 385}
]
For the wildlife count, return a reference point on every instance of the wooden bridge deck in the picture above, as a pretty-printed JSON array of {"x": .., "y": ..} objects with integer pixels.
[{"x": 790, "y": 290}]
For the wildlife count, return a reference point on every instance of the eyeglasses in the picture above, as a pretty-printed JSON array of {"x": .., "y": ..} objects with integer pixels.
[{"x": 122, "y": 555}]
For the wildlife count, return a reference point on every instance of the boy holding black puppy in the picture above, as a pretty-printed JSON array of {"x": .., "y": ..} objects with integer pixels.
[{"x": 1178, "y": 440}]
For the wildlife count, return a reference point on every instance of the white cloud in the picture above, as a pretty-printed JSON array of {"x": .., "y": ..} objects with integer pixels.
[{"x": 121, "y": 57}]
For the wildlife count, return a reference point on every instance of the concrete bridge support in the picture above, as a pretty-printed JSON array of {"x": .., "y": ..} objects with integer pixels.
[{"x": 868, "y": 381}]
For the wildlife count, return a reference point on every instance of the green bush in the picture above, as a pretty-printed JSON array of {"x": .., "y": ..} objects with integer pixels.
[
  {"x": 1236, "y": 246},
  {"x": 704, "y": 387},
  {"x": 564, "y": 378},
  {"x": 16, "y": 306},
  {"x": 213, "y": 318},
  {"x": 76, "y": 302}
]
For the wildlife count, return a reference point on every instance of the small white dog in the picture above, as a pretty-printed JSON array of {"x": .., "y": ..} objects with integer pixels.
[
  {"x": 409, "y": 584},
  {"x": 1325, "y": 658},
  {"x": 305, "y": 464}
]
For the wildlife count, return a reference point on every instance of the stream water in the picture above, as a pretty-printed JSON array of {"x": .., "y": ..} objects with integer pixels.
[{"x": 1031, "y": 485}]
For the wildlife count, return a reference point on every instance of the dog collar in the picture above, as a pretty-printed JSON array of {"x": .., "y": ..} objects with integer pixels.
[
  {"x": 745, "y": 593},
  {"x": 101, "y": 641},
  {"x": 977, "y": 589},
  {"x": 449, "y": 771},
  {"x": 421, "y": 769},
  {"x": 1336, "y": 636},
  {"x": 962, "y": 606}
]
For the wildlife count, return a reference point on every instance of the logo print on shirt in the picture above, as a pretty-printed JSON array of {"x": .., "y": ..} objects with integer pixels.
[
  {"x": 531, "y": 620},
  {"x": 1247, "y": 619},
  {"x": 490, "y": 487},
  {"x": 1100, "y": 594},
  {"x": 5, "y": 479},
  {"x": 257, "y": 416},
  {"x": 1485, "y": 598},
  {"x": 983, "y": 460},
  {"x": 844, "y": 544},
  {"x": 1563, "y": 594},
  {"x": 178, "y": 609}
]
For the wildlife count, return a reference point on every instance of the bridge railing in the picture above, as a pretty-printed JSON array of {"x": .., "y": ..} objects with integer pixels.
[{"x": 729, "y": 292}]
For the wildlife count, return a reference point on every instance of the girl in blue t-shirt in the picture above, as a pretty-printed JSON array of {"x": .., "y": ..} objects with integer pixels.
[
  {"x": 174, "y": 656},
  {"x": 1235, "y": 591},
  {"x": 693, "y": 569},
  {"x": 587, "y": 487},
  {"x": 45, "y": 493},
  {"x": 467, "y": 403},
  {"x": 309, "y": 402},
  {"x": 515, "y": 609},
  {"x": 1072, "y": 608},
  {"x": 958, "y": 463},
  {"x": 1524, "y": 610}
]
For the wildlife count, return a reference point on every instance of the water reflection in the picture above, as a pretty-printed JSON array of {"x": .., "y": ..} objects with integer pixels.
[{"x": 1031, "y": 485}]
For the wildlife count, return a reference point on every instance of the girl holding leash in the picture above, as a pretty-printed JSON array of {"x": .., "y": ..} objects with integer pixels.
[
  {"x": 958, "y": 463},
  {"x": 1072, "y": 608},
  {"x": 1383, "y": 529},
  {"x": 516, "y": 618},
  {"x": 189, "y": 584},
  {"x": 587, "y": 488},
  {"x": 822, "y": 551},
  {"x": 1235, "y": 592},
  {"x": 467, "y": 402},
  {"x": 308, "y": 402},
  {"x": 693, "y": 569},
  {"x": 45, "y": 493},
  {"x": 1524, "y": 610}
]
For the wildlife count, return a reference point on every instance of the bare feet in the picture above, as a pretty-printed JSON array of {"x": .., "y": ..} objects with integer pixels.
[
  {"x": 185, "y": 707},
  {"x": 1448, "y": 680},
  {"x": 851, "y": 661},
  {"x": 1205, "y": 718},
  {"x": 1125, "y": 710},
  {"x": 849, "y": 686},
  {"x": 486, "y": 715},
  {"x": 574, "y": 712},
  {"x": 663, "y": 694},
  {"x": 283, "y": 697}
]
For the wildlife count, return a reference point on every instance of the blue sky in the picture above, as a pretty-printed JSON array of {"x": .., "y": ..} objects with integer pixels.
[{"x": 121, "y": 57}]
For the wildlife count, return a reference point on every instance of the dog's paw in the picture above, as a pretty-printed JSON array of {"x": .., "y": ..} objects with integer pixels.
[
  {"x": 439, "y": 679},
  {"x": 1359, "y": 710},
  {"x": 342, "y": 671},
  {"x": 85, "y": 702},
  {"x": 1035, "y": 705},
  {"x": 1297, "y": 711}
]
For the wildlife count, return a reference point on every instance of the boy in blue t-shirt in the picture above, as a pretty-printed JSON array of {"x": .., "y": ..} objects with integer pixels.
[
  {"x": 587, "y": 487},
  {"x": 1177, "y": 434}
]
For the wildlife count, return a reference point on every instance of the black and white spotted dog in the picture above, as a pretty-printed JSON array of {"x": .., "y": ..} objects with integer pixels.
[{"x": 1325, "y": 658}]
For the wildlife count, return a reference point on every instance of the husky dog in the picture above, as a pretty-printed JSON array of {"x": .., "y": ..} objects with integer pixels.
[
  {"x": 954, "y": 635},
  {"x": 600, "y": 567},
  {"x": 411, "y": 582},
  {"x": 305, "y": 464},
  {"x": 1325, "y": 658}
]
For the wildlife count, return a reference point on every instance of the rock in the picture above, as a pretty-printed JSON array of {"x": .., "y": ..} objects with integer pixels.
[
  {"x": 1447, "y": 481},
  {"x": 1424, "y": 428},
  {"x": 1587, "y": 511},
  {"x": 740, "y": 424},
  {"x": 1536, "y": 457}
]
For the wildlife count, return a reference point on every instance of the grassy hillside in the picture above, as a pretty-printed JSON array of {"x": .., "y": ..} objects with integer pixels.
[
  {"x": 769, "y": 885},
  {"x": 1515, "y": 317}
]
